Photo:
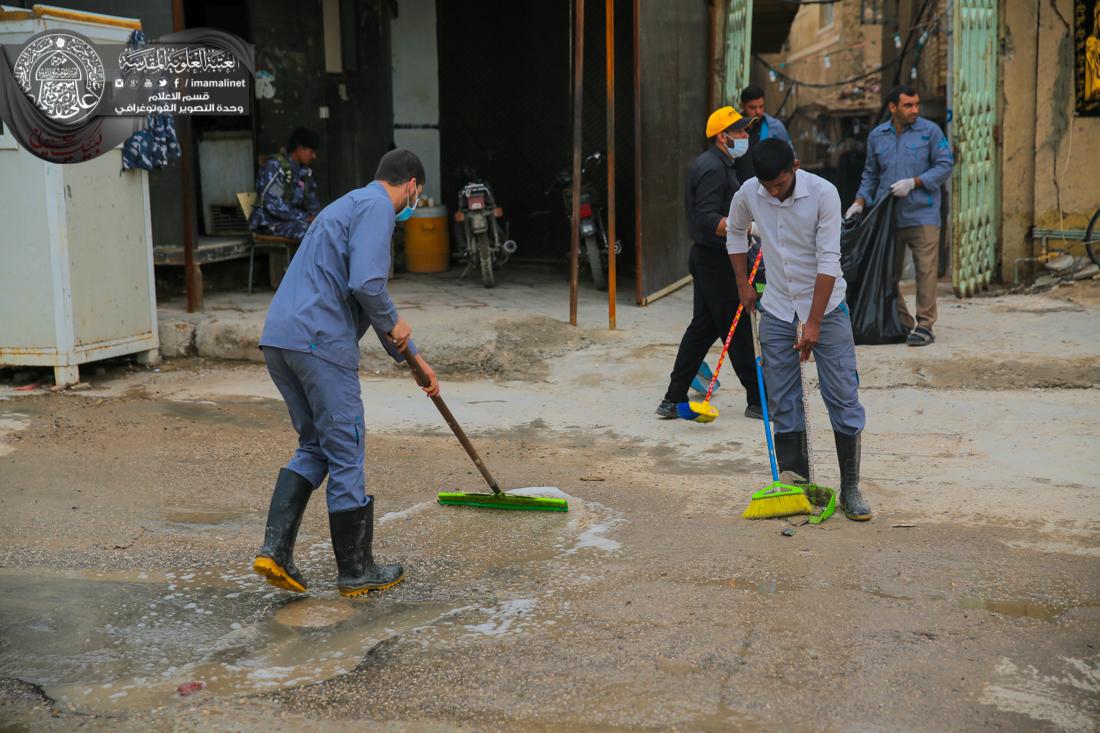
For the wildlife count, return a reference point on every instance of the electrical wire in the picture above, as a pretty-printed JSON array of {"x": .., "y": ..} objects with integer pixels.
[
  {"x": 825, "y": 85},
  {"x": 866, "y": 75},
  {"x": 912, "y": 31}
]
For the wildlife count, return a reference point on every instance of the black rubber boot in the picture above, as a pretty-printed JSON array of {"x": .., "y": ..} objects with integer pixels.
[
  {"x": 275, "y": 561},
  {"x": 352, "y": 536},
  {"x": 847, "y": 452},
  {"x": 791, "y": 453}
]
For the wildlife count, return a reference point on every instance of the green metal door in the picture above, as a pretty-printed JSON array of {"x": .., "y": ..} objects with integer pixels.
[
  {"x": 738, "y": 48},
  {"x": 974, "y": 184}
]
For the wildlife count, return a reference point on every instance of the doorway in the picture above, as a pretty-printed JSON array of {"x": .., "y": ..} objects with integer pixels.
[{"x": 505, "y": 114}]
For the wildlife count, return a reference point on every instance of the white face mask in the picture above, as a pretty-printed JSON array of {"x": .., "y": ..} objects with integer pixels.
[{"x": 737, "y": 146}]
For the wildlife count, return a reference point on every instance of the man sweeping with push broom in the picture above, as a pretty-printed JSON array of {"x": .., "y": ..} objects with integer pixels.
[
  {"x": 797, "y": 216},
  {"x": 333, "y": 292}
]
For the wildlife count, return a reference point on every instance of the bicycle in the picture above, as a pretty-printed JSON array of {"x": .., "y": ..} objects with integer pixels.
[{"x": 1092, "y": 238}]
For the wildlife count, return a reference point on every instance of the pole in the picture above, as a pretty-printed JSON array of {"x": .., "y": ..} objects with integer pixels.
[
  {"x": 717, "y": 25},
  {"x": 192, "y": 275},
  {"x": 611, "y": 255},
  {"x": 578, "y": 101},
  {"x": 639, "y": 240}
]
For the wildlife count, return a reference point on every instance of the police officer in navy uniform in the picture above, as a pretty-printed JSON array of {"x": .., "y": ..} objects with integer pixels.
[
  {"x": 712, "y": 182},
  {"x": 287, "y": 194},
  {"x": 909, "y": 157},
  {"x": 333, "y": 291}
]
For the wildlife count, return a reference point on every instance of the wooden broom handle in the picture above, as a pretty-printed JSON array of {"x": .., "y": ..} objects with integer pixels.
[{"x": 423, "y": 380}]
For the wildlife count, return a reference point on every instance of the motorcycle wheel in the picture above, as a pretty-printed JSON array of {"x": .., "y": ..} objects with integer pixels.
[
  {"x": 486, "y": 258},
  {"x": 595, "y": 262}
]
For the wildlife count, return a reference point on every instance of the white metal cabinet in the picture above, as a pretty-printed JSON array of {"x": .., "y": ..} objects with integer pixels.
[{"x": 76, "y": 255}]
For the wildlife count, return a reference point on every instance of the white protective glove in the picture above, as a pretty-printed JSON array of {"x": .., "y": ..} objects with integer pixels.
[
  {"x": 904, "y": 187},
  {"x": 855, "y": 208}
]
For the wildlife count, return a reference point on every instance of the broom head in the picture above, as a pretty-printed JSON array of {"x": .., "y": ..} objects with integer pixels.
[
  {"x": 697, "y": 411},
  {"x": 503, "y": 501},
  {"x": 778, "y": 500}
]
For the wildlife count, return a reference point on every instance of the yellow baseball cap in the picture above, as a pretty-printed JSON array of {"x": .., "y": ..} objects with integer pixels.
[{"x": 724, "y": 119}]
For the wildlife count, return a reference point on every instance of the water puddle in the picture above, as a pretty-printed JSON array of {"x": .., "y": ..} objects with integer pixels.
[
  {"x": 592, "y": 527},
  {"x": 488, "y": 538},
  {"x": 134, "y": 640},
  {"x": 477, "y": 623},
  {"x": 111, "y": 642},
  {"x": 1015, "y": 608},
  {"x": 503, "y": 617},
  {"x": 406, "y": 514},
  {"x": 1064, "y": 694},
  {"x": 315, "y": 613}
]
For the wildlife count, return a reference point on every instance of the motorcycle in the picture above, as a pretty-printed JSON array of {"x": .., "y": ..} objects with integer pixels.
[
  {"x": 483, "y": 240},
  {"x": 595, "y": 249}
]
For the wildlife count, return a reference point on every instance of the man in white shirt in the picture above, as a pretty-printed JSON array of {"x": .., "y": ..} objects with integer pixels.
[{"x": 797, "y": 217}]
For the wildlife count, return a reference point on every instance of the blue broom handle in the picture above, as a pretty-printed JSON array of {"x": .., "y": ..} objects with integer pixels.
[{"x": 759, "y": 361}]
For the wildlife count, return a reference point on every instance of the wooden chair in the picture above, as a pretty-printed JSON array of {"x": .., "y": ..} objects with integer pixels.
[{"x": 269, "y": 242}]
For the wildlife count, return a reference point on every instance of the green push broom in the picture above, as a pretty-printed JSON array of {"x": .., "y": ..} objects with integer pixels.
[
  {"x": 497, "y": 499},
  {"x": 777, "y": 499}
]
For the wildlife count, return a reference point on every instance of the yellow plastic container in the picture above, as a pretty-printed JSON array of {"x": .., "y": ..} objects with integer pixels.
[{"x": 427, "y": 240}]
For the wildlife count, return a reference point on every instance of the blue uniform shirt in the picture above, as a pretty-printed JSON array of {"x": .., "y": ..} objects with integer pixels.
[
  {"x": 335, "y": 287},
  {"x": 276, "y": 212},
  {"x": 774, "y": 127},
  {"x": 922, "y": 150}
]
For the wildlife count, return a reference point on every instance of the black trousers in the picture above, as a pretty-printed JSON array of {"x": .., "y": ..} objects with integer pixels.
[{"x": 715, "y": 305}]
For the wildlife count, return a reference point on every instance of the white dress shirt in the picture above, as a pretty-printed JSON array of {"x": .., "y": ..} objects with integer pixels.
[{"x": 800, "y": 238}]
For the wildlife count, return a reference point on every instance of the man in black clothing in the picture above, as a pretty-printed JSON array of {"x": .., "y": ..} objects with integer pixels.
[{"x": 711, "y": 185}]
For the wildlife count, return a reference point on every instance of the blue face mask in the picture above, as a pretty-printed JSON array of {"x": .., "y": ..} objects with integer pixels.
[
  {"x": 406, "y": 213},
  {"x": 740, "y": 147}
]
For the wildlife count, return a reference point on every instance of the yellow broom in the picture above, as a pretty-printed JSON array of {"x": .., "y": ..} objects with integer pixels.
[{"x": 777, "y": 499}]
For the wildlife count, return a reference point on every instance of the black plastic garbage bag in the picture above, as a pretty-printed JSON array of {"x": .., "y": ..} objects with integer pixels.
[{"x": 867, "y": 259}]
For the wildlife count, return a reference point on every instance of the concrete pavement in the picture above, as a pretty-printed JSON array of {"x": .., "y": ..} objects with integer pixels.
[
  {"x": 1004, "y": 399},
  {"x": 650, "y": 604},
  {"x": 513, "y": 330}
]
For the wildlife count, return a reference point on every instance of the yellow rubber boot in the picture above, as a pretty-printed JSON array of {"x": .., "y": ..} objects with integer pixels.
[
  {"x": 275, "y": 560},
  {"x": 352, "y": 537}
]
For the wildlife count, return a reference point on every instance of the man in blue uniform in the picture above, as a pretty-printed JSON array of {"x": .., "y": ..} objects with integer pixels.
[
  {"x": 764, "y": 127},
  {"x": 286, "y": 192},
  {"x": 910, "y": 157},
  {"x": 334, "y": 290}
]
